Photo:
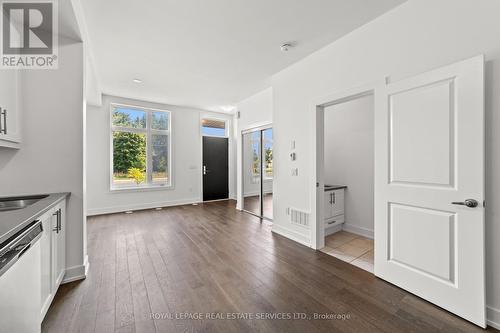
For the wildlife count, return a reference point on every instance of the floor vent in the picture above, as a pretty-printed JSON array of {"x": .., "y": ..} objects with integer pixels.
[{"x": 298, "y": 217}]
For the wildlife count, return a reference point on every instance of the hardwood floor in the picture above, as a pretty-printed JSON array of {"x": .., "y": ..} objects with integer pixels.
[
  {"x": 213, "y": 259},
  {"x": 252, "y": 204}
]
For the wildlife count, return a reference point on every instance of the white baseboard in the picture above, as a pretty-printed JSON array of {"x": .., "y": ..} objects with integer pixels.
[
  {"x": 121, "y": 209},
  {"x": 293, "y": 235},
  {"x": 358, "y": 230},
  {"x": 493, "y": 317},
  {"x": 78, "y": 272},
  {"x": 333, "y": 229}
]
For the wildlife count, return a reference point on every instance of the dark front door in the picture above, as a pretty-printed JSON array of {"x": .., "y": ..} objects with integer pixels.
[{"x": 215, "y": 168}]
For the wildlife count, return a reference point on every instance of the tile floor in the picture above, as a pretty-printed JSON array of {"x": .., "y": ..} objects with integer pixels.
[{"x": 352, "y": 248}]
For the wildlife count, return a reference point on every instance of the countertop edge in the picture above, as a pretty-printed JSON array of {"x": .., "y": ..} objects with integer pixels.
[
  {"x": 336, "y": 187},
  {"x": 52, "y": 200}
]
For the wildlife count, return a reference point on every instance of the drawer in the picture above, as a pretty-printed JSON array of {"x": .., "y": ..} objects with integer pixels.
[{"x": 334, "y": 220}]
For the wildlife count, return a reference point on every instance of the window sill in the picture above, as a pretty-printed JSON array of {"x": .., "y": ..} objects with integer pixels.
[{"x": 141, "y": 188}]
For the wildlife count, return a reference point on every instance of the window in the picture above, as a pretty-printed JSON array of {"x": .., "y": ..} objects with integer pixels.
[
  {"x": 141, "y": 147},
  {"x": 213, "y": 127}
]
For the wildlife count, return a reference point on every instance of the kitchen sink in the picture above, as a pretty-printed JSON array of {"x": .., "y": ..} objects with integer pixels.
[{"x": 13, "y": 203}]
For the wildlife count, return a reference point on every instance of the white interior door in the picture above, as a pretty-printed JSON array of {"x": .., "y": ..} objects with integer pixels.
[{"x": 429, "y": 154}]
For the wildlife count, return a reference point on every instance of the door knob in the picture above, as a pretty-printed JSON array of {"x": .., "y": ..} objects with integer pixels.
[{"x": 471, "y": 203}]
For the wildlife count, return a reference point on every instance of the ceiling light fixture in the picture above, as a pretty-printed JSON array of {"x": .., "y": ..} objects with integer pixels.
[
  {"x": 137, "y": 80},
  {"x": 227, "y": 108},
  {"x": 285, "y": 47}
]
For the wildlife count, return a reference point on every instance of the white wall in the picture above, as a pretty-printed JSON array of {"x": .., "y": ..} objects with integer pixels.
[
  {"x": 415, "y": 37},
  {"x": 186, "y": 155},
  {"x": 255, "y": 111},
  {"x": 51, "y": 154},
  {"x": 349, "y": 159}
]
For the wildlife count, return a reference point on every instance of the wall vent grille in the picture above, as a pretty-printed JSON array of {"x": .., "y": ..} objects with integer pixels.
[{"x": 298, "y": 217}]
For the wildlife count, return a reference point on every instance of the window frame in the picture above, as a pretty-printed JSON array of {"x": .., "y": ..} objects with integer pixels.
[
  {"x": 149, "y": 132},
  {"x": 226, "y": 129}
]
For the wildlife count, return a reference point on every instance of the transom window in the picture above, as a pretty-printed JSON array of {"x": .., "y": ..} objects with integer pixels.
[
  {"x": 213, "y": 127},
  {"x": 140, "y": 147}
]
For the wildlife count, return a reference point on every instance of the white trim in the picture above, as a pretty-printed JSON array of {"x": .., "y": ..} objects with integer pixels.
[
  {"x": 142, "y": 188},
  {"x": 138, "y": 107},
  {"x": 358, "y": 230},
  {"x": 333, "y": 229},
  {"x": 256, "y": 127},
  {"x": 493, "y": 317},
  {"x": 121, "y": 209},
  {"x": 316, "y": 178},
  {"x": 78, "y": 272},
  {"x": 288, "y": 233}
]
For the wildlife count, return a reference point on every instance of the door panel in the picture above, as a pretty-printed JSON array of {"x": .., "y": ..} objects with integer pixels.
[
  {"x": 338, "y": 202},
  {"x": 328, "y": 197},
  {"x": 267, "y": 173},
  {"x": 215, "y": 168},
  {"x": 46, "y": 263},
  {"x": 252, "y": 198},
  {"x": 410, "y": 227},
  {"x": 421, "y": 135},
  {"x": 60, "y": 264},
  {"x": 429, "y": 152}
]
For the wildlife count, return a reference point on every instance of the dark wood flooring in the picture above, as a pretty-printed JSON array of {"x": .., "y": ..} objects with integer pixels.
[
  {"x": 211, "y": 258},
  {"x": 252, "y": 204}
]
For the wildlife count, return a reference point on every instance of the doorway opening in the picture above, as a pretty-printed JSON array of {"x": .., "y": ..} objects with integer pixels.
[
  {"x": 215, "y": 150},
  {"x": 257, "y": 173},
  {"x": 348, "y": 150}
]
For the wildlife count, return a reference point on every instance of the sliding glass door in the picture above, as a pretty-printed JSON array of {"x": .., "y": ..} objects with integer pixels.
[
  {"x": 258, "y": 172},
  {"x": 267, "y": 173}
]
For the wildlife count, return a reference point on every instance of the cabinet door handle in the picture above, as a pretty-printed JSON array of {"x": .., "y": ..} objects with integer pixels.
[
  {"x": 4, "y": 121},
  {"x": 59, "y": 226},
  {"x": 333, "y": 197},
  {"x": 56, "y": 228},
  {"x": 1, "y": 125},
  {"x": 57, "y": 214}
]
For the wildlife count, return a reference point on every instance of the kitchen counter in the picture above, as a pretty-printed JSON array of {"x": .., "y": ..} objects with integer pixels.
[
  {"x": 334, "y": 187},
  {"x": 13, "y": 221}
]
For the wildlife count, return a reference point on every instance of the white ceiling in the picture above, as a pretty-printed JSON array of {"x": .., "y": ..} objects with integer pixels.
[{"x": 211, "y": 53}]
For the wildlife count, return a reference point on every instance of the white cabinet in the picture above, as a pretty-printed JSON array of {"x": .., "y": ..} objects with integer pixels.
[
  {"x": 46, "y": 265},
  {"x": 334, "y": 207},
  {"x": 58, "y": 244},
  {"x": 53, "y": 254},
  {"x": 10, "y": 111}
]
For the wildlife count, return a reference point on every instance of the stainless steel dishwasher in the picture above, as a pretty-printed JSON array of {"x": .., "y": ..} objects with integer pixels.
[{"x": 20, "y": 281}]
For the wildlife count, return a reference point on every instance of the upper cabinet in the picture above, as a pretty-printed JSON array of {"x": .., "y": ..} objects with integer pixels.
[{"x": 10, "y": 114}]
